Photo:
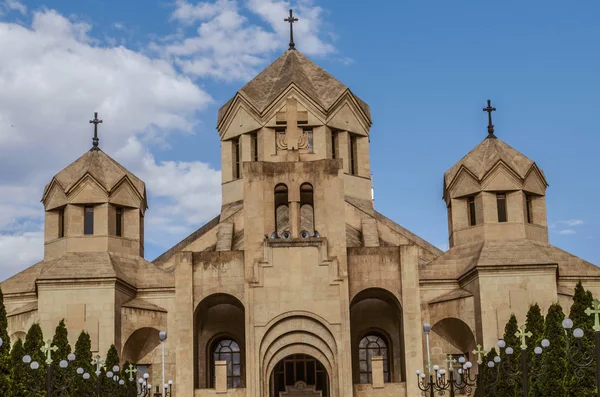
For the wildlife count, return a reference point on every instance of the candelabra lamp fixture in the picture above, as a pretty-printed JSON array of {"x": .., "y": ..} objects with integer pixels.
[
  {"x": 517, "y": 372},
  {"x": 441, "y": 380},
  {"x": 52, "y": 390},
  {"x": 585, "y": 358},
  {"x": 144, "y": 388}
]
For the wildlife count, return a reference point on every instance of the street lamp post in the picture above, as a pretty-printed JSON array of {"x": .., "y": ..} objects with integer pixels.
[
  {"x": 580, "y": 356},
  {"x": 163, "y": 337},
  {"x": 522, "y": 370}
]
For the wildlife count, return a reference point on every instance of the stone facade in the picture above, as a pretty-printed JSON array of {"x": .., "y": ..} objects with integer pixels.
[{"x": 299, "y": 280}]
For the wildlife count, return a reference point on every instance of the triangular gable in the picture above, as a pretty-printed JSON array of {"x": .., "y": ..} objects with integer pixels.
[
  {"x": 125, "y": 195},
  {"x": 303, "y": 98},
  {"x": 535, "y": 182},
  {"x": 48, "y": 188},
  {"x": 242, "y": 121},
  {"x": 55, "y": 197},
  {"x": 464, "y": 184},
  {"x": 501, "y": 178},
  {"x": 356, "y": 106},
  {"x": 345, "y": 119},
  {"x": 87, "y": 191}
]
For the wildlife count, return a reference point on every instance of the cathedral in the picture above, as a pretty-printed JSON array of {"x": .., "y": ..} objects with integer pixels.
[{"x": 299, "y": 287}]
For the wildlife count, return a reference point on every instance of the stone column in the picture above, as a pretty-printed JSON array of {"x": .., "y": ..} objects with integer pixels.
[
  {"x": 226, "y": 161},
  {"x": 377, "y": 372},
  {"x": 343, "y": 149},
  {"x": 411, "y": 316},
  {"x": 221, "y": 377},
  {"x": 184, "y": 324}
]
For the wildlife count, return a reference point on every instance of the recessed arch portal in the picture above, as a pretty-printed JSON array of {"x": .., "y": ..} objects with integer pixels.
[
  {"x": 453, "y": 336},
  {"x": 219, "y": 334},
  {"x": 376, "y": 318},
  {"x": 301, "y": 372},
  {"x": 298, "y": 333}
]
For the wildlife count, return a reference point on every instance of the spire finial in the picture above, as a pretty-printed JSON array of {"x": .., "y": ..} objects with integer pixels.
[
  {"x": 95, "y": 140},
  {"x": 291, "y": 21},
  {"x": 489, "y": 111}
]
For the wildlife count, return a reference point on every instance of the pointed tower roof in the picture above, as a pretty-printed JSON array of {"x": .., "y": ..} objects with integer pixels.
[
  {"x": 486, "y": 155},
  {"x": 293, "y": 67},
  {"x": 99, "y": 165}
]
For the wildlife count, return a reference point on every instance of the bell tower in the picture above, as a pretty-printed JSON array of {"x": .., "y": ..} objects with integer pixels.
[
  {"x": 495, "y": 193},
  {"x": 288, "y": 127},
  {"x": 94, "y": 205}
]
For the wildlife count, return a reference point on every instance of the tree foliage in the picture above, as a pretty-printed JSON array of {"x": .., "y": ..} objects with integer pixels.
[
  {"x": 503, "y": 387},
  {"x": 61, "y": 341},
  {"x": 487, "y": 375},
  {"x": 5, "y": 348},
  {"x": 585, "y": 384},
  {"x": 554, "y": 362},
  {"x": 19, "y": 371},
  {"x": 83, "y": 359},
  {"x": 34, "y": 341}
]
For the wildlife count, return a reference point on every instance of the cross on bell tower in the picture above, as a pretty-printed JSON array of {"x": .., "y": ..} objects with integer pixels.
[
  {"x": 291, "y": 20},
  {"x": 489, "y": 111},
  {"x": 95, "y": 139}
]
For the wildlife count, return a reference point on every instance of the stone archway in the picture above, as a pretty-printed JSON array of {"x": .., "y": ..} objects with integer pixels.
[
  {"x": 299, "y": 334},
  {"x": 299, "y": 375},
  {"x": 217, "y": 318},
  {"x": 451, "y": 336},
  {"x": 377, "y": 313}
]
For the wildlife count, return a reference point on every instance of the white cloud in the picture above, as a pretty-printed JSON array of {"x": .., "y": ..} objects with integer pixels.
[
  {"x": 567, "y": 231},
  {"x": 53, "y": 75},
  {"x": 183, "y": 195},
  {"x": 229, "y": 47},
  {"x": 19, "y": 251},
  {"x": 14, "y": 5},
  {"x": 572, "y": 222},
  {"x": 189, "y": 13}
]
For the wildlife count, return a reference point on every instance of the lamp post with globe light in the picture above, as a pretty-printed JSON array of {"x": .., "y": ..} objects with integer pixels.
[
  {"x": 514, "y": 371},
  {"x": 579, "y": 355},
  {"x": 163, "y": 337}
]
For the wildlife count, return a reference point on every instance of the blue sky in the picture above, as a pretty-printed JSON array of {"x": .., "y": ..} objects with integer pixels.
[{"x": 425, "y": 68}]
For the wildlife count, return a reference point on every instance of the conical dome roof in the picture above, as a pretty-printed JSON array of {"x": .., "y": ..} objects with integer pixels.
[
  {"x": 293, "y": 67},
  {"x": 486, "y": 155},
  {"x": 103, "y": 168}
]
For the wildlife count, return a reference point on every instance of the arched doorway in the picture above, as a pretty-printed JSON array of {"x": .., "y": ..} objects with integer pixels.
[
  {"x": 377, "y": 330},
  {"x": 299, "y": 375},
  {"x": 219, "y": 334}
]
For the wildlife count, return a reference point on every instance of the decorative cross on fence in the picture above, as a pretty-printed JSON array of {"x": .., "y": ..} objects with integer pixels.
[
  {"x": 98, "y": 362},
  {"x": 130, "y": 371},
  {"x": 450, "y": 361},
  {"x": 521, "y": 334},
  {"x": 595, "y": 310},
  {"x": 479, "y": 352},
  {"x": 47, "y": 349}
]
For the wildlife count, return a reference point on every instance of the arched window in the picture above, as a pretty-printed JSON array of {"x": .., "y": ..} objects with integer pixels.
[
  {"x": 282, "y": 209},
  {"x": 307, "y": 209},
  {"x": 373, "y": 345},
  {"x": 227, "y": 350}
]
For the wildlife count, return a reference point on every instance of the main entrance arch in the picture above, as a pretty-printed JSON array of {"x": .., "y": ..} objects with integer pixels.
[
  {"x": 303, "y": 337},
  {"x": 299, "y": 375}
]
